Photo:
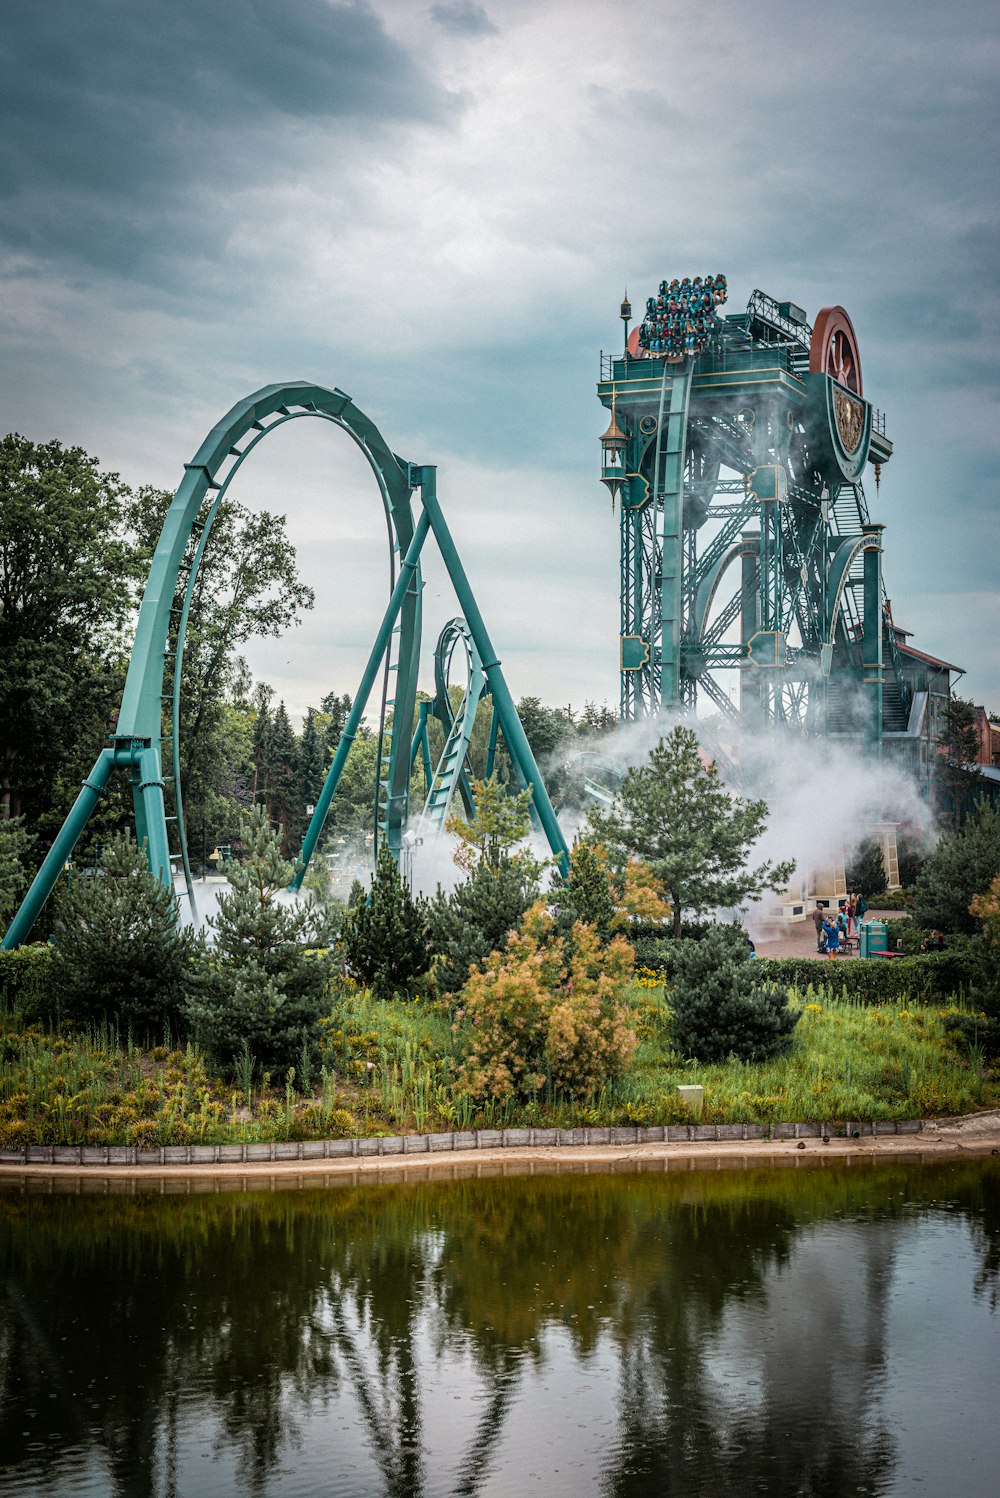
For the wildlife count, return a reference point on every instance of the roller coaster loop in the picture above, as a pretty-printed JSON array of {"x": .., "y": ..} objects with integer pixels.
[{"x": 152, "y": 692}]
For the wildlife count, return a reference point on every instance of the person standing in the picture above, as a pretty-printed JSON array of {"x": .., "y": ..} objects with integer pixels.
[{"x": 818, "y": 923}]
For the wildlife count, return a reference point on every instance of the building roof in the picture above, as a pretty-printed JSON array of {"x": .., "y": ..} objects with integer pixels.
[{"x": 931, "y": 660}]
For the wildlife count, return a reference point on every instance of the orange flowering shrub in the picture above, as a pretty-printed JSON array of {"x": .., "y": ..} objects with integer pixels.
[
  {"x": 643, "y": 896},
  {"x": 547, "y": 1008}
]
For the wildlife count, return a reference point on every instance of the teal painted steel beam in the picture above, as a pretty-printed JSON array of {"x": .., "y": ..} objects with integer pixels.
[
  {"x": 872, "y": 634},
  {"x": 451, "y": 773},
  {"x": 503, "y": 704},
  {"x": 404, "y": 581},
  {"x": 147, "y": 792},
  {"x": 66, "y": 840},
  {"x": 669, "y": 488}
]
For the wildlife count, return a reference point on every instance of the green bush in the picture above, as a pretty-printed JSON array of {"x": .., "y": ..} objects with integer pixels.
[
  {"x": 120, "y": 954},
  {"x": 26, "y": 985},
  {"x": 931, "y": 977},
  {"x": 962, "y": 865},
  {"x": 895, "y": 899},
  {"x": 720, "y": 1005},
  {"x": 477, "y": 917},
  {"x": 384, "y": 939},
  {"x": 264, "y": 992}
]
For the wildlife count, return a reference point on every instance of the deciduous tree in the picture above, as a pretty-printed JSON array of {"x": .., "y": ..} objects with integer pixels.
[{"x": 66, "y": 587}]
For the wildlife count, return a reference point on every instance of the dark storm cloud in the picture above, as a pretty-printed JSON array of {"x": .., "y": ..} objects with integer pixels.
[
  {"x": 113, "y": 114},
  {"x": 464, "y": 18}
]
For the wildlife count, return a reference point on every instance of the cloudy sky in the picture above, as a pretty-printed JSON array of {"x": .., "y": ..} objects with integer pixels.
[{"x": 437, "y": 208}]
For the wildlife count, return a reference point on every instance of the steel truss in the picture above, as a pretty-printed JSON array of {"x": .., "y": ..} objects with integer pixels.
[{"x": 746, "y": 542}]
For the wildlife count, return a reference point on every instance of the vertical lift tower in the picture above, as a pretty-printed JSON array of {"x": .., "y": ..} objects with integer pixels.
[{"x": 735, "y": 452}]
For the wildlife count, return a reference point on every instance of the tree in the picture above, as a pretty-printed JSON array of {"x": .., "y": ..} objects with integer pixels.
[
  {"x": 121, "y": 953},
  {"x": 866, "y": 871},
  {"x": 545, "y": 728},
  {"x": 585, "y": 894},
  {"x": 477, "y": 917},
  {"x": 718, "y": 1007},
  {"x": 547, "y": 1010},
  {"x": 963, "y": 865},
  {"x": 282, "y": 800},
  {"x": 310, "y": 772},
  {"x": 66, "y": 579},
  {"x": 501, "y": 822},
  {"x": 265, "y": 989},
  {"x": 675, "y": 813},
  {"x": 335, "y": 711},
  {"x": 13, "y": 873},
  {"x": 247, "y": 586},
  {"x": 384, "y": 940},
  {"x": 955, "y": 775}
]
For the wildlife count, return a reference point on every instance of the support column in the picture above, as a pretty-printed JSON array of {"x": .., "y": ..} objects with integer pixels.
[
  {"x": 872, "y": 636},
  {"x": 67, "y": 838},
  {"x": 503, "y": 703},
  {"x": 151, "y": 814},
  {"x": 404, "y": 581},
  {"x": 750, "y": 680}
]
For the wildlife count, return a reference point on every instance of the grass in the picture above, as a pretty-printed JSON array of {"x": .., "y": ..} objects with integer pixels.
[{"x": 390, "y": 1067}]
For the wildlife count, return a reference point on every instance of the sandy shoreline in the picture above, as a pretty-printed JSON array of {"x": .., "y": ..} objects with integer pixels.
[{"x": 973, "y": 1134}]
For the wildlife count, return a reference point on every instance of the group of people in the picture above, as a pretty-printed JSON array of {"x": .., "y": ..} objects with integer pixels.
[
  {"x": 678, "y": 320},
  {"x": 834, "y": 927}
]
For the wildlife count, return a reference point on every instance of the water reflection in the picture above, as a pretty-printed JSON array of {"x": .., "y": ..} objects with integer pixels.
[{"x": 713, "y": 1333}]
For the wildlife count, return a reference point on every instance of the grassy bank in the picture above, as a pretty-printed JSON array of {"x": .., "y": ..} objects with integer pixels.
[{"x": 390, "y": 1067}]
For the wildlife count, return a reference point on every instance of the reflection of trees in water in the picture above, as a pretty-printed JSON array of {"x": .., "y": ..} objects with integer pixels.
[
  {"x": 767, "y": 1387},
  {"x": 137, "y": 1313}
]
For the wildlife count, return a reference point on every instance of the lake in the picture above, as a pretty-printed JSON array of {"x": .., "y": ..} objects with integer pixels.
[{"x": 832, "y": 1330}]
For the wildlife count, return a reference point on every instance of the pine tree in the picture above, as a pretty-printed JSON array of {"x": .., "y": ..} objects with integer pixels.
[
  {"x": 384, "y": 940},
  {"x": 719, "y": 1008},
  {"x": 477, "y": 917},
  {"x": 265, "y": 990},
  {"x": 866, "y": 872},
  {"x": 586, "y": 895},
  {"x": 120, "y": 952},
  {"x": 335, "y": 710},
  {"x": 501, "y": 822},
  {"x": 282, "y": 799},
  {"x": 675, "y": 813},
  {"x": 262, "y": 744}
]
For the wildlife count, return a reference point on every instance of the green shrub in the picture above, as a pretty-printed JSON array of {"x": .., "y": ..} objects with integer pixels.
[
  {"x": 26, "y": 981},
  {"x": 477, "y": 917},
  {"x": 120, "y": 954},
  {"x": 930, "y": 976},
  {"x": 549, "y": 1013},
  {"x": 384, "y": 939},
  {"x": 721, "y": 1007},
  {"x": 264, "y": 991},
  {"x": 895, "y": 899}
]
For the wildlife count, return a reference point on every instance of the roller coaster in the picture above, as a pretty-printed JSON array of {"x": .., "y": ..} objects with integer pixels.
[
  {"x": 735, "y": 454},
  {"x": 146, "y": 743}
]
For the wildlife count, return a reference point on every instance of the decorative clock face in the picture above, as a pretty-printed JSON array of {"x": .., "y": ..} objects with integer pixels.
[
  {"x": 834, "y": 349},
  {"x": 840, "y": 360}
]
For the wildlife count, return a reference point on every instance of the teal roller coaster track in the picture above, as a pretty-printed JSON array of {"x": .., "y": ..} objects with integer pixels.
[{"x": 145, "y": 745}]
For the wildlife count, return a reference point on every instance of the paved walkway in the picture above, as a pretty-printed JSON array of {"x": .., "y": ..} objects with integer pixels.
[{"x": 798, "y": 939}]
